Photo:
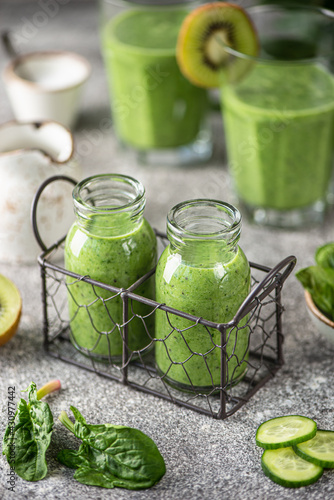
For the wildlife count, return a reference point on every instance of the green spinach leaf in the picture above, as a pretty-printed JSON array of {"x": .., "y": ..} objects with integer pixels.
[
  {"x": 112, "y": 455},
  {"x": 319, "y": 282},
  {"x": 28, "y": 436},
  {"x": 324, "y": 255}
]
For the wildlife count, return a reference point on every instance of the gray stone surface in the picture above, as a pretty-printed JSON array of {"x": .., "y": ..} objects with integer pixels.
[{"x": 205, "y": 458}]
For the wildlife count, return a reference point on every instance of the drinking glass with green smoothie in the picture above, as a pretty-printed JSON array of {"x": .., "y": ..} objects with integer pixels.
[
  {"x": 279, "y": 117},
  {"x": 274, "y": 66},
  {"x": 156, "y": 111}
]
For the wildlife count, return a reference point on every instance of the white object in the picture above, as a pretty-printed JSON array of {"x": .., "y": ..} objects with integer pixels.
[
  {"x": 46, "y": 86},
  {"x": 324, "y": 325},
  {"x": 29, "y": 154}
]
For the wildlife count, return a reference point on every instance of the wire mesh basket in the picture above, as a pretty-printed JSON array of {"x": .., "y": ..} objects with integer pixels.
[{"x": 261, "y": 314}]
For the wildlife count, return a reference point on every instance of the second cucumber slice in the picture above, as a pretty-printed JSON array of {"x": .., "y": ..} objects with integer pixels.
[
  {"x": 281, "y": 432},
  {"x": 318, "y": 450}
]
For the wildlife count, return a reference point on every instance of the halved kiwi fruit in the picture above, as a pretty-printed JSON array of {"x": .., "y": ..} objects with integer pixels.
[
  {"x": 10, "y": 309},
  {"x": 204, "y": 33}
]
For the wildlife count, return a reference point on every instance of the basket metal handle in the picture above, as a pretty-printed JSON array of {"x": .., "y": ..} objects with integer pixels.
[
  {"x": 277, "y": 275},
  {"x": 35, "y": 204}
]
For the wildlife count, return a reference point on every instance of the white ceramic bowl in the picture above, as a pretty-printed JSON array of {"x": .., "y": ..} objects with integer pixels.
[
  {"x": 324, "y": 325},
  {"x": 46, "y": 86}
]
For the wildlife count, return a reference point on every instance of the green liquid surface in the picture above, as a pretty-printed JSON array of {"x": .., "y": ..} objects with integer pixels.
[
  {"x": 286, "y": 49},
  {"x": 214, "y": 293},
  {"x": 279, "y": 125},
  {"x": 117, "y": 261},
  {"x": 153, "y": 105}
]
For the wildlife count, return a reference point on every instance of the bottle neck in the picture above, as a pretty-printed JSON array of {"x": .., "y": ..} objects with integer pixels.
[
  {"x": 109, "y": 205},
  {"x": 204, "y": 232}
]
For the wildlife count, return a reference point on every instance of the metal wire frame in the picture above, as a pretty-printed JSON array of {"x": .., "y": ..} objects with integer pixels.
[{"x": 224, "y": 399}]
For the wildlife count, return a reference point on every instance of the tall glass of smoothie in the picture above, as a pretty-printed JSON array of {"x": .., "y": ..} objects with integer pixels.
[
  {"x": 279, "y": 116},
  {"x": 155, "y": 110},
  {"x": 112, "y": 243},
  {"x": 202, "y": 272}
]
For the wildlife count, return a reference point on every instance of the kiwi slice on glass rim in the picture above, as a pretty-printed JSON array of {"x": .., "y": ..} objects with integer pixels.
[
  {"x": 204, "y": 35},
  {"x": 10, "y": 309}
]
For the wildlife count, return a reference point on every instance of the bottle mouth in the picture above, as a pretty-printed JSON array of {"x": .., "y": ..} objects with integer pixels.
[
  {"x": 203, "y": 219},
  {"x": 108, "y": 201},
  {"x": 109, "y": 193}
]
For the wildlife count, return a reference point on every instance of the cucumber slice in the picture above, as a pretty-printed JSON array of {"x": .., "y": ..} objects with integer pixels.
[
  {"x": 286, "y": 468},
  {"x": 319, "y": 450},
  {"x": 285, "y": 431}
]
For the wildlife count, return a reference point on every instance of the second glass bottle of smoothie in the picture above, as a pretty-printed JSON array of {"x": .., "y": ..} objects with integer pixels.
[
  {"x": 112, "y": 243},
  {"x": 205, "y": 273}
]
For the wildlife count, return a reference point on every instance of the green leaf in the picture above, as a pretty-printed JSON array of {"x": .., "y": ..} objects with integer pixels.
[
  {"x": 73, "y": 459},
  {"x": 28, "y": 437},
  {"x": 319, "y": 282},
  {"x": 113, "y": 455},
  {"x": 324, "y": 255},
  {"x": 92, "y": 477}
]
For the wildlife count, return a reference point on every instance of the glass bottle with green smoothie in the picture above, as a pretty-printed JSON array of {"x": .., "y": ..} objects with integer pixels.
[
  {"x": 110, "y": 242},
  {"x": 155, "y": 110},
  {"x": 202, "y": 272}
]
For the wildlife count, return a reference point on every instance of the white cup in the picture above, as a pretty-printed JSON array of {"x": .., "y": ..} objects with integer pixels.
[{"x": 46, "y": 86}]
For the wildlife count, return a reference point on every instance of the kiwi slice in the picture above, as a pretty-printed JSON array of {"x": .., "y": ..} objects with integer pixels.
[
  {"x": 10, "y": 309},
  {"x": 203, "y": 36}
]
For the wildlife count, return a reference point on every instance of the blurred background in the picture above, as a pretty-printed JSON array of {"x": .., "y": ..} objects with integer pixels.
[{"x": 74, "y": 25}]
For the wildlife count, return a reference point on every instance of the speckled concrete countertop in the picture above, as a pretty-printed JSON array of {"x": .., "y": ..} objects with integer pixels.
[{"x": 205, "y": 458}]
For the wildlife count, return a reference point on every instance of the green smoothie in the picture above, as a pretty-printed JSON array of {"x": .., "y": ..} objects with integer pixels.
[
  {"x": 279, "y": 126},
  {"x": 117, "y": 261},
  {"x": 213, "y": 292},
  {"x": 153, "y": 105}
]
